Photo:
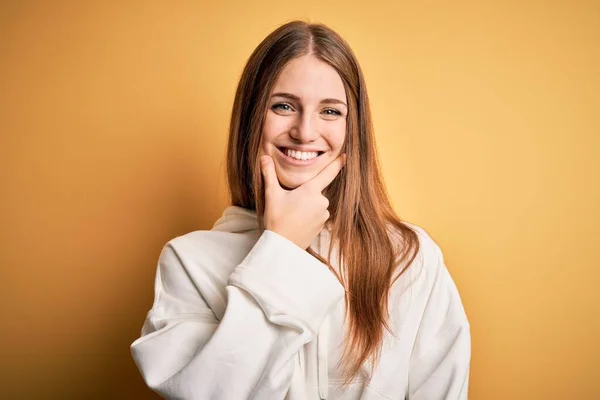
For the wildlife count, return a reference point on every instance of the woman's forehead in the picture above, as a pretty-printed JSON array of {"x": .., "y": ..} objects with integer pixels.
[{"x": 310, "y": 79}]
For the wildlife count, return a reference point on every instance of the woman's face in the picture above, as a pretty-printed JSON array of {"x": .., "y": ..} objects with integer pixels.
[{"x": 305, "y": 125}]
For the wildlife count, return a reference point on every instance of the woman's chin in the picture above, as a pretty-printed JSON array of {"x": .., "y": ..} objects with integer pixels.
[
  {"x": 290, "y": 185},
  {"x": 293, "y": 182}
]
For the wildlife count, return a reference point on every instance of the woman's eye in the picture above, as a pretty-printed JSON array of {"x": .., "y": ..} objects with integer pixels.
[
  {"x": 332, "y": 112},
  {"x": 282, "y": 107}
]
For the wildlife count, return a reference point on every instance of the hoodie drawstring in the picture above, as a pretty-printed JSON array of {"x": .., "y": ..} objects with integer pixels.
[{"x": 322, "y": 377}]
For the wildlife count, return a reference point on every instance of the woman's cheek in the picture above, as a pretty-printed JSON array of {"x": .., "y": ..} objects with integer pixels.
[
  {"x": 277, "y": 127},
  {"x": 283, "y": 125},
  {"x": 339, "y": 137}
]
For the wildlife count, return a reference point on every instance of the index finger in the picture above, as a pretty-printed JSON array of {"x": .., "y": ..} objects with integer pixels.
[{"x": 328, "y": 174}]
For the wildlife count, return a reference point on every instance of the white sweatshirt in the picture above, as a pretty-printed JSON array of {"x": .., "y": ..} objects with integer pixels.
[{"x": 240, "y": 314}]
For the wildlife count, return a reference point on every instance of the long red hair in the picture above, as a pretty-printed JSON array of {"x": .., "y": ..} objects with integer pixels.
[{"x": 374, "y": 245}]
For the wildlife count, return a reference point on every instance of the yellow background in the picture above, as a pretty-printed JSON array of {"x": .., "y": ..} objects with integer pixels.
[{"x": 113, "y": 123}]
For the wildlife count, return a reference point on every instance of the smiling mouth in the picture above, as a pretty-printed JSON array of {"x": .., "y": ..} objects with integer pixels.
[{"x": 300, "y": 155}]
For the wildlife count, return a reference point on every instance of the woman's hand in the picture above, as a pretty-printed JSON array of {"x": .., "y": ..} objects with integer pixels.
[{"x": 299, "y": 214}]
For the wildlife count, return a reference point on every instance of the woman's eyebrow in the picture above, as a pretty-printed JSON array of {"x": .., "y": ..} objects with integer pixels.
[
  {"x": 296, "y": 98},
  {"x": 286, "y": 95},
  {"x": 333, "y": 101}
]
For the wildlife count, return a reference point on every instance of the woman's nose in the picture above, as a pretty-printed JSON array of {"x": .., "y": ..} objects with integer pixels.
[{"x": 304, "y": 130}]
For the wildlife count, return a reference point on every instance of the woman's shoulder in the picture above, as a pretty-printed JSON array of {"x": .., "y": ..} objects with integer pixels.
[
  {"x": 202, "y": 261},
  {"x": 428, "y": 248},
  {"x": 427, "y": 282},
  {"x": 212, "y": 242},
  {"x": 426, "y": 260}
]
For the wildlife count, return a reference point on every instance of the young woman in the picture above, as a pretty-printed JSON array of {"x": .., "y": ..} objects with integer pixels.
[{"x": 309, "y": 286}]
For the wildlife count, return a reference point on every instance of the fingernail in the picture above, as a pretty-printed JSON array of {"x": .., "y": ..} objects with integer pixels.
[{"x": 264, "y": 160}]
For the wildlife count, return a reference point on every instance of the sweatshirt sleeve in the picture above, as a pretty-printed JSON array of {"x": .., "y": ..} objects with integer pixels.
[
  {"x": 439, "y": 365},
  {"x": 277, "y": 298}
]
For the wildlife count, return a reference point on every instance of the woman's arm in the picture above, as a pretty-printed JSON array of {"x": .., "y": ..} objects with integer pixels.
[
  {"x": 277, "y": 299},
  {"x": 439, "y": 365}
]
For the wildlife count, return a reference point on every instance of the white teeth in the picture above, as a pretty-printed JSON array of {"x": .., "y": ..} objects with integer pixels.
[{"x": 301, "y": 155}]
